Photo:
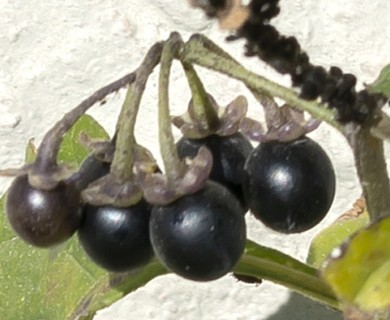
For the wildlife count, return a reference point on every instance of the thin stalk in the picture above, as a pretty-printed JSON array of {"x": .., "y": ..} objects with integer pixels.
[
  {"x": 202, "y": 108},
  {"x": 122, "y": 164},
  {"x": 371, "y": 168},
  {"x": 201, "y": 51},
  {"x": 48, "y": 149},
  {"x": 172, "y": 163},
  {"x": 269, "y": 264}
]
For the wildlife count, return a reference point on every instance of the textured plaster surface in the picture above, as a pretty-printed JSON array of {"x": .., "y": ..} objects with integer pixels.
[{"x": 53, "y": 54}]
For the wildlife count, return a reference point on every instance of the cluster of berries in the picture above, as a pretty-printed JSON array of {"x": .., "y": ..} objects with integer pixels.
[
  {"x": 201, "y": 236},
  {"x": 192, "y": 217}
]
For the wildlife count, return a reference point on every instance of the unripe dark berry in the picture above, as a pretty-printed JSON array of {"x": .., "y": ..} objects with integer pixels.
[{"x": 43, "y": 218}]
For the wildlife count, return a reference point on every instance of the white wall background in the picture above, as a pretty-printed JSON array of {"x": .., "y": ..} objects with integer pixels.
[{"x": 53, "y": 54}]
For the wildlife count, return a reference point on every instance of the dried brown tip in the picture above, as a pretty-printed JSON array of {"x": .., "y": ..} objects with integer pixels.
[
  {"x": 357, "y": 209},
  {"x": 231, "y": 15}
]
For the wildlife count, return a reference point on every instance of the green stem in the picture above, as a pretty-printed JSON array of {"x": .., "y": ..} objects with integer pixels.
[
  {"x": 204, "y": 112},
  {"x": 269, "y": 264},
  {"x": 122, "y": 164},
  {"x": 371, "y": 168},
  {"x": 201, "y": 51},
  {"x": 172, "y": 163}
]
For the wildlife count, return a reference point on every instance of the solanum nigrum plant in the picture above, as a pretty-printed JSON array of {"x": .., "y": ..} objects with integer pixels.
[{"x": 288, "y": 181}]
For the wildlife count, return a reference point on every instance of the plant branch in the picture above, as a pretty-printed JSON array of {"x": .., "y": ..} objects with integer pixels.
[
  {"x": 122, "y": 164},
  {"x": 202, "y": 51},
  {"x": 269, "y": 264},
  {"x": 371, "y": 168},
  {"x": 48, "y": 149}
]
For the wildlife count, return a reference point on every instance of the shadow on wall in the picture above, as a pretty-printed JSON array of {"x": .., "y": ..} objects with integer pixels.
[{"x": 299, "y": 307}]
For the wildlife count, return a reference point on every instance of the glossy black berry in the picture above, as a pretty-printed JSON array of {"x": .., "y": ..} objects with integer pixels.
[
  {"x": 289, "y": 186},
  {"x": 199, "y": 236},
  {"x": 43, "y": 218},
  {"x": 229, "y": 156},
  {"x": 117, "y": 239}
]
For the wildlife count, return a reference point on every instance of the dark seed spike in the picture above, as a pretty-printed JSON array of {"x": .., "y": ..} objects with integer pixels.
[{"x": 285, "y": 55}]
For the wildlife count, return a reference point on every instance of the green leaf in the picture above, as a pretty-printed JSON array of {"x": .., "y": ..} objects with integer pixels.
[
  {"x": 359, "y": 270},
  {"x": 382, "y": 83},
  {"x": 332, "y": 237},
  {"x": 72, "y": 152},
  {"x": 60, "y": 283}
]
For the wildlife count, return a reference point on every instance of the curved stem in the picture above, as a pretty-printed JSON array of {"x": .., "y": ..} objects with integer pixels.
[
  {"x": 122, "y": 164},
  {"x": 48, "y": 149},
  {"x": 269, "y": 264},
  {"x": 202, "y": 51},
  {"x": 172, "y": 163},
  {"x": 203, "y": 110}
]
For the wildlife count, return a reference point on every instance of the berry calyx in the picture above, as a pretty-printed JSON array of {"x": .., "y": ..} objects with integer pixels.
[{"x": 229, "y": 156}]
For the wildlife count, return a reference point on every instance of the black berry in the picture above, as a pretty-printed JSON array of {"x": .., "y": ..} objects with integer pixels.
[
  {"x": 43, "y": 218},
  {"x": 289, "y": 186},
  {"x": 200, "y": 236},
  {"x": 117, "y": 239}
]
